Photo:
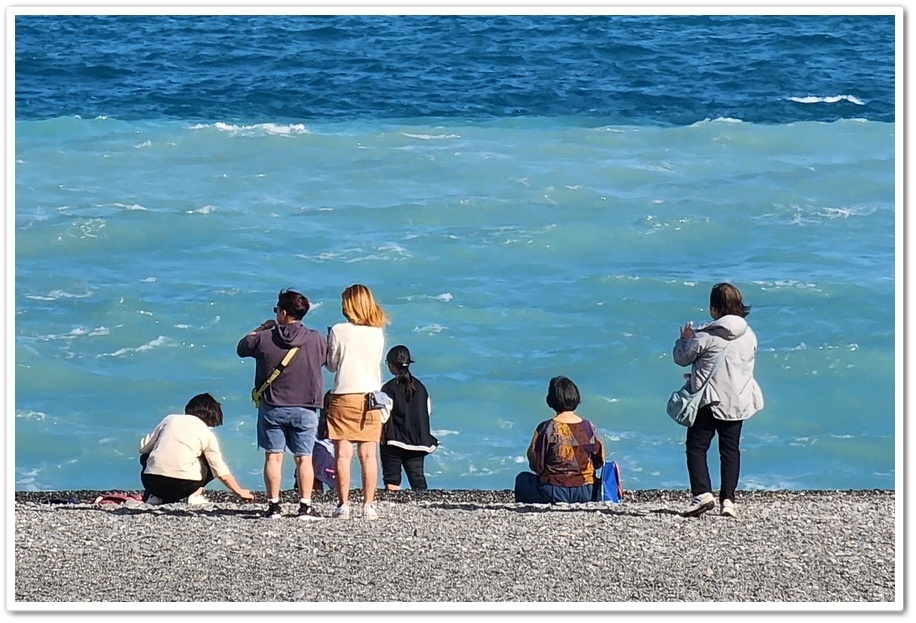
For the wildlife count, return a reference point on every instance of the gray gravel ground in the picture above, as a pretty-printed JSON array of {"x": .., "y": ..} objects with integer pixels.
[{"x": 439, "y": 546}]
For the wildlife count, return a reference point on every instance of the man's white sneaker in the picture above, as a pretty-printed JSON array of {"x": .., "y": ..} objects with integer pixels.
[
  {"x": 369, "y": 513},
  {"x": 700, "y": 504},
  {"x": 728, "y": 509},
  {"x": 341, "y": 512},
  {"x": 153, "y": 500}
]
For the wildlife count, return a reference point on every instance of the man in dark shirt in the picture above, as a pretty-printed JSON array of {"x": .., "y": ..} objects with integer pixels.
[{"x": 289, "y": 404}]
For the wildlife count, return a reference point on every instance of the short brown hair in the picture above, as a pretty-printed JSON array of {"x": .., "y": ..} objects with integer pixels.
[{"x": 727, "y": 300}]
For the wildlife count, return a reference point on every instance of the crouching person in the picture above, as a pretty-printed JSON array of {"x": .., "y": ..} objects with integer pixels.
[
  {"x": 564, "y": 452},
  {"x": 181, "y": 456}
]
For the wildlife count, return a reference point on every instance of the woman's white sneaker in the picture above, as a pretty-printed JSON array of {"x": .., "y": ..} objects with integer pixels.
[
  {"x": 728, "y": 509},
  {"x": 369, "y": 513},
  {"x": 700, "y": 504},
  {"x": 341, "y": 512}
]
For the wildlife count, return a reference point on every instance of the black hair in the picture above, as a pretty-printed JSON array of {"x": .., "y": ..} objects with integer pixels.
[
  {"x": 294, "y": 304},
  {"x": 562, "y": 394},
  {"x": 727, "y": 300},
  {"x": 206, "y": 408},
  {"x": 399, "y": 357}
]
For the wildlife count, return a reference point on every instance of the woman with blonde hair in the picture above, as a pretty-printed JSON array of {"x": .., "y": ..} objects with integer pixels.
[{"x": 355, "y": 350}]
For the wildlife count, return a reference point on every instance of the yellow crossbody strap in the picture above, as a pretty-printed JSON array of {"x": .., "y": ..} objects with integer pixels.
[{"x": 256, "y": 393}]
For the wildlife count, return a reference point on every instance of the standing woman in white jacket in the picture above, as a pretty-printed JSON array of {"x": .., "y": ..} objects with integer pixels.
[
  {"x": 731, "y": 396},
  {"x": 355, "y": 350}
]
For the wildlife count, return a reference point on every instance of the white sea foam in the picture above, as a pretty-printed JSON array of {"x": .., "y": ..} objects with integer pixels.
[
  {"x": 39, "y": 416},
  {"x": 55, "y": 295},
  {"x": 445, "y": 297},
  {"x": 716, "y": 120},
  {"x": 785, "y": 283},
  {"x": 834, "y": 213},
  {"x": 159, "y": 341},
  {"x": 262, "y": 129},
  {"x": 430, "y": 137},
  {"x": 207, "y": 209},
  {"x": 431, "y": 328},
  {"x": 125, "y": 206},
  {"x": 833, "y": 99}
]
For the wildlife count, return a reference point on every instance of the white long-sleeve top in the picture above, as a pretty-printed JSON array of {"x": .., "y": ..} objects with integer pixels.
[
  {"x": 355, "y": 356},
  {"x": 177, "y": 443}
]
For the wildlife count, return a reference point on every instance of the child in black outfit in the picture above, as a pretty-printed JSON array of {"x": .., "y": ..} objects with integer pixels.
[{"x": 406, "y": 439}]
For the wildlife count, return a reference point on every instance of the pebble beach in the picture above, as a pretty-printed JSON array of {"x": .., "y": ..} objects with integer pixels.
[{"x": 797, "y": 549}]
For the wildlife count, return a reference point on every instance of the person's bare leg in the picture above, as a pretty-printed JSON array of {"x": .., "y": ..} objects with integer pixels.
[
  {"x": 343, "y": 454},
  {"x": 368, "y": 470},
  {"x": 273, "y": 474},
  {"x": 305, "y": 476}
]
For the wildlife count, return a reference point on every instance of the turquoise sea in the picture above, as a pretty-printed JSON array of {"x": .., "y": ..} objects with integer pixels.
[{"x": 527, "y": 196}]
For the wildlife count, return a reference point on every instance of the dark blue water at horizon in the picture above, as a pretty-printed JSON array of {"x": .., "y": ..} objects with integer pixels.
[{"x": 606, "y": 69}]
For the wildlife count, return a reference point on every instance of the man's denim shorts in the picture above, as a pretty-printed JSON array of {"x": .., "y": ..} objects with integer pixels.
[{"x": 280, "y": 428}]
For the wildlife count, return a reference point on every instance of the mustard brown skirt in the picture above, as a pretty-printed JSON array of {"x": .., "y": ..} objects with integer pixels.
[{"x": 349, "y": 420}]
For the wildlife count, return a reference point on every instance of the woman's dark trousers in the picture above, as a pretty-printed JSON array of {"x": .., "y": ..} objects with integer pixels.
[{"x": 699, "y": 438}]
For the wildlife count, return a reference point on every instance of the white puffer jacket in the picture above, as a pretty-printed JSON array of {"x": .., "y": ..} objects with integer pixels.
[{"x": 732, "y": 392}]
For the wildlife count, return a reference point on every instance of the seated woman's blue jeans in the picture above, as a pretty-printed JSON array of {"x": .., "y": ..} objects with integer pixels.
[{"x": 530, "y": 490}]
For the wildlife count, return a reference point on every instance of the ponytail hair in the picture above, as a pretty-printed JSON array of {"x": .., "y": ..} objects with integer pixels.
[{"x": 399, "y": 358}]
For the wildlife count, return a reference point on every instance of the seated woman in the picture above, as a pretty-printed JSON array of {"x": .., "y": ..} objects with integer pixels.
[
  {"x": 182, "y": 455},
  {"x": 564, "y": 452}
]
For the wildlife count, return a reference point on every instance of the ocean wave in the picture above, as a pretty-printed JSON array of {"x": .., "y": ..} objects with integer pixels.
[
  {"x": 445, "y": 297},
  {"x": 159, "y": 341},
  {"x": 833, "y": 99},
  {"x": 32, "y": 415},
  {"x": 431, "y": 328},
  {"x": 784, "y": 283},
  {"x": 430, "y": 137},
  {"x": 384, "y": 253},
  {"x": 257, "y": 129},
  {"x": 55, "y": 295},
  {"x": 834, "y": 213},
  {"x": 716, "y": 120},
  {"x": 207, "y": 209},
  {"x": 77, "y": 333}
]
